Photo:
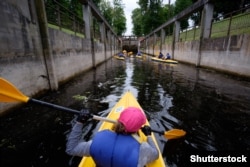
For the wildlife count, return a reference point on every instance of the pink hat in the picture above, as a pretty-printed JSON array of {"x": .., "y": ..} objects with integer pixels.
[{"x": 132, "y": 118}]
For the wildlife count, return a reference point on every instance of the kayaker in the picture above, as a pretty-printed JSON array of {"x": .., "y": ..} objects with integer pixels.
[
  {"x": 168, "y": 56},
  {"x": 138, "y": 53},
  {"x": 160, "y": 55},
  {"x": 116, "y": 148},
  {"x": 120, "y": 54}
]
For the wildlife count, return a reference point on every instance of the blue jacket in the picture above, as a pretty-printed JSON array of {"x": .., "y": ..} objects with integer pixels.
[{"x": 109, "y": 149}]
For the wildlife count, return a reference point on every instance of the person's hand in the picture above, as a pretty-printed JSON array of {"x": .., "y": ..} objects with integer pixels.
[
  {"x": 83, "y": 116},
  {"x": 146, "y": 130}
]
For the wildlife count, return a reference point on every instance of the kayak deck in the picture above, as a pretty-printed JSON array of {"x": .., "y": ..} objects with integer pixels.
[
  {"x": 127, "y": 100},
  {"x": 164, "y": 60},
  {"x": 119, "y": 58}
]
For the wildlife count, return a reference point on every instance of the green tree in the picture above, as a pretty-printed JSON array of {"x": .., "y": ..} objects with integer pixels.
[
  {"x": 224, "y": 7},
  {"x": 180, "y": 5},
  {"x": 168, "y": 12},
  {"x": 114, "y": 15},
  {"x": 97, "y": 2},
  {"x": 154, "y": 16},
  {"x": 76, "y": 7},
  {"x": 106, "y": 10},
  {"x": 119, "y": 19},
  {"x": 137, "y": 22},
  {"x": 151, "y": 15}
]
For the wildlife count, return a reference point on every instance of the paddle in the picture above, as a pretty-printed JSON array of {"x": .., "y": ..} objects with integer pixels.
[
  {"x": 9, "y": 93},
  {"x": 171, "y": 134}
]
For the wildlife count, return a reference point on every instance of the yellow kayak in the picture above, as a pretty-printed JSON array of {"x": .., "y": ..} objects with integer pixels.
[
  {"x": 127, "y": 100},
  {"x": 118, "y": 57},
  {"x": 140, "y": 57},
  {"x": 164, "y": 60}
]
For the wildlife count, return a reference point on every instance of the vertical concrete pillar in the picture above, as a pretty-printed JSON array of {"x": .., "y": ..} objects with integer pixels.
[
  {"x": 102, "y": 31},
  {"x": 112, "y": 44},
  {"x": 103, "y": 38},
  {"x": 154, "y": 43},
  {"x": 138, "y": 44},
  {"x": 47, "y": 51},
  {"x": 206, "y": 22},
  {"x": 121, "y": 44},
  {"x": 118, "y": 44},
  {"x": 87, "y": 16},
  {"x": 177, "y": 27},
  {"x": 109, "y": 42},
  {"x": 163, "y": 34},
  {"x": 87, "y": 20},
  {"x": 115, "y": 44}
]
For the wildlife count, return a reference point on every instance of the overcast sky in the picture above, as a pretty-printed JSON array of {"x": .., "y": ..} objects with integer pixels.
[{"x": 130, "y": 5}]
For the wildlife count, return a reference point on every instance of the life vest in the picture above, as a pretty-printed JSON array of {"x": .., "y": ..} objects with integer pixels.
[{"x": 109, "y": 149}]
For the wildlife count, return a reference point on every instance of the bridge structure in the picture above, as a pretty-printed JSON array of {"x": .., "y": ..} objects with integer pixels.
[{"x": 130, "y": 43}]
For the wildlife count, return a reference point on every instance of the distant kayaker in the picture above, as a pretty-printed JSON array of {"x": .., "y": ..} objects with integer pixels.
[
  {"x": 120, "y": 54},
  {"x": 138, "y": 53},
  {"x": 168, "y": 56},
  {"x": 160, "y": 55},
  {"x": 116, "y": 148}
]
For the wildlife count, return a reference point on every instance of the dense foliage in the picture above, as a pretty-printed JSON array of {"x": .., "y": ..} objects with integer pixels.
[
  {"x": 113, "y": 13},
  {"x": 119, "y": 19},
  {"x": 153, "y": 13}
]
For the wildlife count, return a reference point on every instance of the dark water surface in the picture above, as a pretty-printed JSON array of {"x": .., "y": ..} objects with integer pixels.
[{"x": 213, "y": 108}]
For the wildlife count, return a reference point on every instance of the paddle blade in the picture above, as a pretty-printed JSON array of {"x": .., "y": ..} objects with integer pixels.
[
  {"x": 174, "y": 134},
  {"x": 9, "y": 93}
]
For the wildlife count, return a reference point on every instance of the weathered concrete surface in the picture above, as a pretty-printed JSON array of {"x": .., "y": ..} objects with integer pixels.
[
  {"x": 231, "y": 55},
  {"x": 187, "y": 51},
  {"x": 22, "y": 58},
  {"x": 228, "y": 54}
]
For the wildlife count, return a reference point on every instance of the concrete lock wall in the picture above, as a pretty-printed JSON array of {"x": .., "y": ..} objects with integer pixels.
[
  {"x": 31, "y": 66},
  {"x": 227, "y": 54}
]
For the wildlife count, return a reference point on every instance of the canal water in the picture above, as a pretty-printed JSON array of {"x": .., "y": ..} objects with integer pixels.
[{"x": 213, "y": 108}]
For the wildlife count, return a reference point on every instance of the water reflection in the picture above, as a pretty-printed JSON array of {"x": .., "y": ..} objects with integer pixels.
[{"x": 212, "y": 108}]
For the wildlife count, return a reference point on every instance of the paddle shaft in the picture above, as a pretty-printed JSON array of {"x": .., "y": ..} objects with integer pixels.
[
  {"x": 77, "y": 112},
  {"x": 54, "y": 106},
  {"x": 68, "y": 110},
  {"x": 157, "y": 131},
  {"x": 95, "y": 117},
  {"x": 9, "y": 93}
]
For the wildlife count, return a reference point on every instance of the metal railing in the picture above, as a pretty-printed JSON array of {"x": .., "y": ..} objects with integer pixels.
[
  {"x": 61, "y": 17},
  {"x": 237, "y": 22},
  {"x": 234, "y": 23}
]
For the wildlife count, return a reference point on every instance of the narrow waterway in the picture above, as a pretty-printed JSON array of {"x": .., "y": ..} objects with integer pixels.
[{"x": 213, "y": 108}]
